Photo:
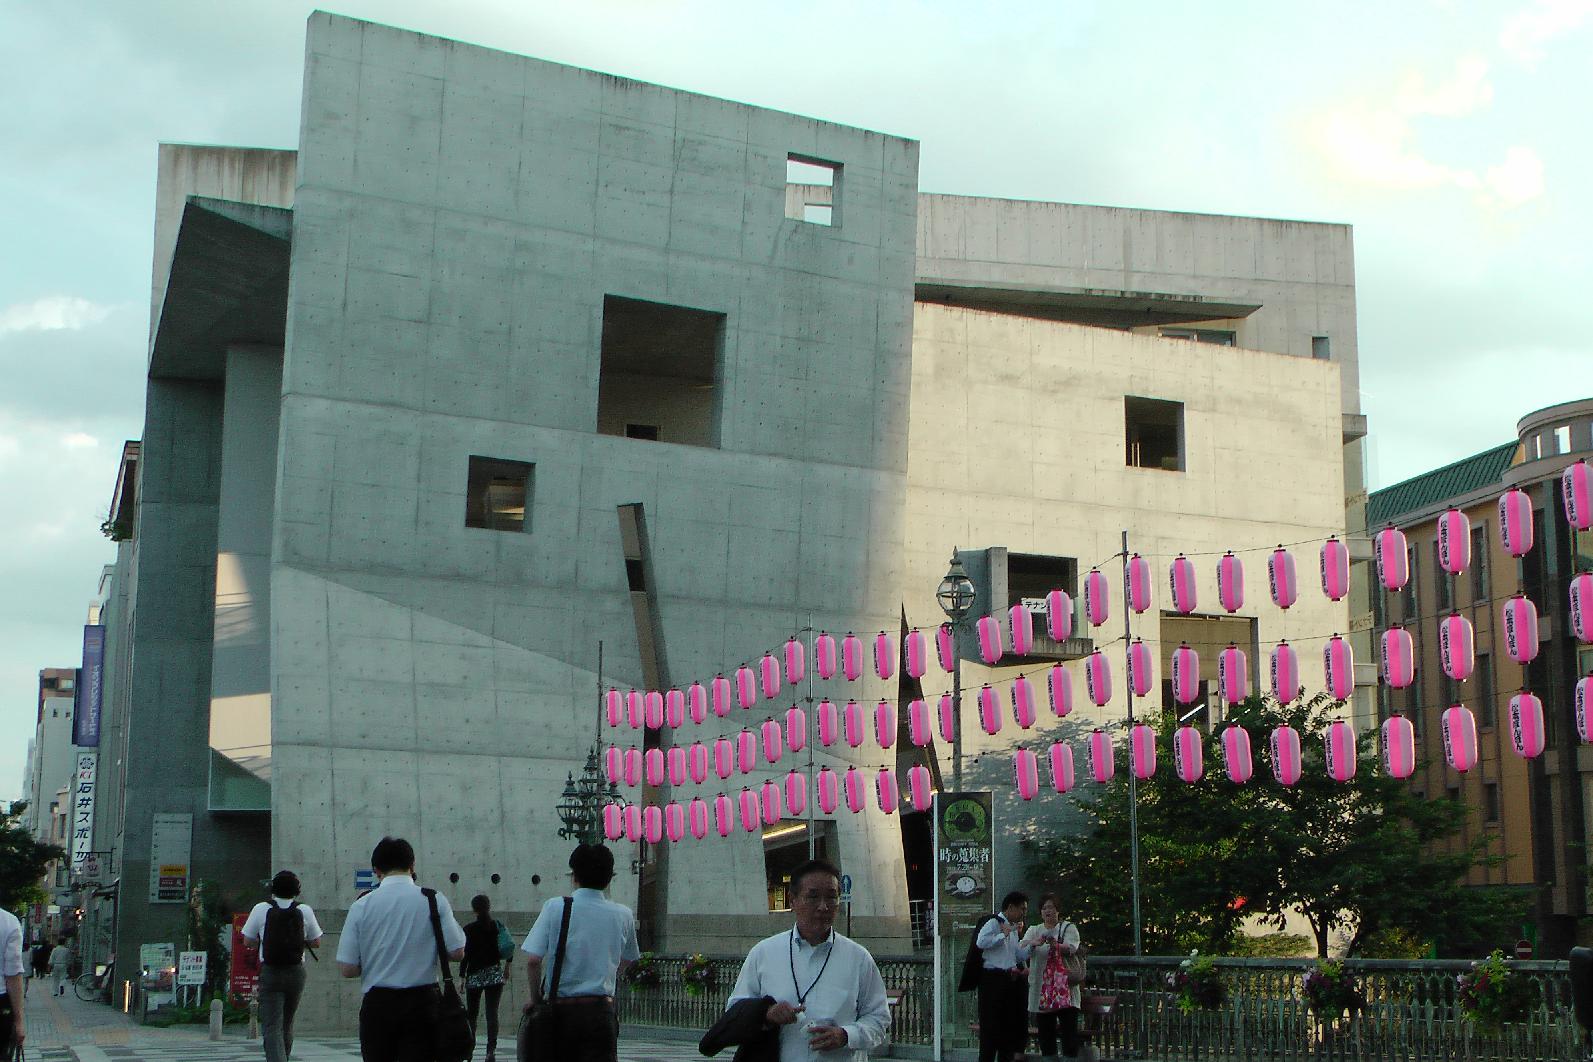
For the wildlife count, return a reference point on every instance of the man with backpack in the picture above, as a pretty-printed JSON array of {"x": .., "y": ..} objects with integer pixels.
[{"x": 282, "y": 928}]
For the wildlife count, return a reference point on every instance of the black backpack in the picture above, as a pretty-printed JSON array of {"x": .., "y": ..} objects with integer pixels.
[
  {"x": 283, "y": 943},
  {"x": 973, "y": 964}
]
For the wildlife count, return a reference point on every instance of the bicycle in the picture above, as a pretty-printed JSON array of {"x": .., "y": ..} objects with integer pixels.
[{"x": 93, "y": 987}]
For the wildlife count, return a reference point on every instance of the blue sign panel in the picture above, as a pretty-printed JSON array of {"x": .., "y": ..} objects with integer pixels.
[{"x": 90, "y": 689}]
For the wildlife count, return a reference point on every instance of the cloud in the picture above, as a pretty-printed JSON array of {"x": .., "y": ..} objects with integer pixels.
[
  {"x": 1518, "y": 179},
  {"x": 53, "y": 313},
  {"x": 1527, "y": 33},
  {"x": 79, "y": 440}
]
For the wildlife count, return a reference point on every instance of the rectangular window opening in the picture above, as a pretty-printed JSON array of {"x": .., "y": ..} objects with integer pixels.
[
  {"x": 1479, "y": 563},
  {"x": 1562, "y": 439},
  {"x": 1321, "y": 349},
  {"x": 642, "y": 431},
  {"x": 813, "y": 190},
  {"x": 1222, "y": 337},
  {"x": 1030, "y": 577},
  {"x": 498, "y": 494},
  {"x": 660, "y": 372},
  {"x": 1490, "y": 802},
  {"x": 1154, "y": 433},
  {"x": 785, "y": 847},
  {"x": 1485, "y": 691}
]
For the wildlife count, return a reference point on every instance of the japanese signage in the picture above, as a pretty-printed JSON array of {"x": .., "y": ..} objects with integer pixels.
[
  {"x": 158, "y": 961},
  {"x": 83, "y": 808},
  {"x": 964, "y": 859},
  {"x": 244, "y": 975},
  {"x": 191, "y": 968},
  {"x": 90, "y": 689},
  {"x": 171, "y": 840}
]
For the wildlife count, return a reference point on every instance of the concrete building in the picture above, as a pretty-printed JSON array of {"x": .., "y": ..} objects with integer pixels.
[
  {"x": 510, "y": 359},
  {"x": 1532, "y": 812},
  {"x": 49, "y": 769}
]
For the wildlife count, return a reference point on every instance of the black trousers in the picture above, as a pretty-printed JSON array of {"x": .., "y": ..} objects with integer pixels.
[
  {"x": 1048, "y": 1021},
  {"x": 473, "y": 1005},
  {"x": 1003, "y": 1015},
  {"x": 399, "y": 1024},
  {"x": 588, "y": 1032}
]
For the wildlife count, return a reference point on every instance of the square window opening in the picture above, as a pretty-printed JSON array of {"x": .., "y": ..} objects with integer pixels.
[
  {"x": 785, "y": 847},
  {"x": 498, "y": 494},
  {"x": 661, "y": 367},
  {"x": 1321, "y": 348},
  {"x": 1154, "y": 435},
  {"x": 813, "y": 190}
]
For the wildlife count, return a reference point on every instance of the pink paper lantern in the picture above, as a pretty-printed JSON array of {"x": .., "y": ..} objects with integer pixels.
[
  {"x": 1189, "y": 754},
  {"x": 989, "y": 711},
  {"x": 1281, "y": 578},
  {"x": 1340, "y": 746},
  {"x": 829, "y": 791},
  {"x": 1233, "y": 674},
  {"x": 751, "y": 811},
  {"x": 697, "y": 763},
  {"x": 1583, "y": 701},
  {"x": 746, "y": 751},
  {"x": 633, "y": 766},
  {"x": 1456, "y": 646},
  {"x": 1582, "y": 607},
  {"x": 990, "y": 647},
  {"x": 1460, "y": 738},
  {"x": 885, "y": 724},
  {"x": 613, "y": 706},
  {"x": 1454, "y": 542},
  {"x": 773, "y": 741},
  {"x": 852, "y": 657},
  {"x": 1023, "y": 710},
  {"x": 653, "y": 823},
  {"x": 1527, "y": 735},
  {"x": 1399, "y": 747},
  {"x": 920, "y": 729},
  {"x": 633, "y": 822},
  {"x": 1576, "y": 490},
  {"x": 613, "y": 821},
  {"x": 769, "y": 676},
  {"x": 1103, "y": 758},
  {"x": 724, "y": 815},
  {"x": 720, "y": 694},
  {"x": 635, "y": 712},
  {"x": 917, "y": 652},
  {"x": 1095, "y": 603},
  {"x": 746, "y": 687},
  {"x": 796, "y": 658},
  {"x": 1230, "y": 582},
  {"x": 884, "y": 655},
  {"x": 1393, "y": 562},
  {"x": 920, "y": 787},
  {"x": 724, "y": 758},
  {"x": 1142, "y": 751},
  {"x": 796, "y": 794},
  {"x": 856, "y": 799},
  {"x": 613, "y": 764},
  {"x": 697, "y": 703},
  {"x": 1060, "y": 760},
  {"x": 829, "y": 722},
  {"x": 675, "y": 708},
  {"x": 1399, "y": 658},
  {"x": 1026, "y": 773},
  {"x": 1338, "y": 666},
  {"x": 1285, "y": 673},
  {"x": 1515, "y": 522},
  {"x": 945, "y": 647},
  {"x": 1186, "y": 675},
  {"x": 654, "y": 708},
  {"x": 1021, "y": 622},
  {"x": 769, "y": 799},
  {"x": 1181, "y": 578},
  {"x": 1521, "y": 629},
  {"x": 697, "y": 817},
  {"x": 1335, "y": 565},
  {"x": 1059, "y": 615},
  {"x": 674, "y": 821},
  {"x": 1098, "y": 678},
  {"x": 677, "y": 765},
  {"x": 1236, "y": 756},
  {"x": 824, "y": 655},
  {"x": 886, "y": 791},
  {"x": 796, "y": 729},
  {"x": 948, "y": 717},
  {"x": 1286, "y": 755},
  {"x": 1141, "y": 676},
  {"x": 852, "y": 724},
  {"x": 1139, "y": 583},
  {"x": 1059, "y": 685}
]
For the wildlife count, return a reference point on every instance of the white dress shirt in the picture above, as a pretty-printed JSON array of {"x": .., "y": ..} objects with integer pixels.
[
  {"x": 254, "y": 926},
  {"x": 1002, "y": 951},
  {"x": 602, "y": 935},
  {"x": 849, "y": 990},
  {"x": 10, "y": 948},
  {"x": 388, "y": 935}
]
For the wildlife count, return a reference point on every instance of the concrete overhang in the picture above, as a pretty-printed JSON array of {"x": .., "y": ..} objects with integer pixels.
[
  {"x": 228, "y": 284},
  {"x": 1354, "y": 426},
  {"x": 1094, "y": 306}
]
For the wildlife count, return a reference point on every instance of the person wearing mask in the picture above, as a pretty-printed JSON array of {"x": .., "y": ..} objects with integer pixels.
[
  {"x": 13, "y": 1029},
  {"x": 1003, "y": 1021},
  {"x": 60, "y": 966},
  {"x": 483, "y": 969},
  {"x": 282, "y": 929},
  {"x": 1052, "y": 998}
]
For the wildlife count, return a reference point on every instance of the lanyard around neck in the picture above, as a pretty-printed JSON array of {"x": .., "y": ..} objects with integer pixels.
[{"x": 802, "y": 997}]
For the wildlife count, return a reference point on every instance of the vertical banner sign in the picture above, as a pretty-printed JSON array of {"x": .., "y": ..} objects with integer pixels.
[
  {"x": 243, "y": 975},
  {"x": 171, "y": 841},
  {"x": 90, "y": 689},
  {"x": 83, "y": 808},
  {"x": 965, "y": 866}
]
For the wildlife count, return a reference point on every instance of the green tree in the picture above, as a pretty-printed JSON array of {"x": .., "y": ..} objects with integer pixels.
[
  {"x": 1366, "y": 857},
  {"x": 22, "y": 860}
]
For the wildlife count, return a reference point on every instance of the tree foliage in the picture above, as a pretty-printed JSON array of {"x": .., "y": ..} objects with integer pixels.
[
  {"x": 1367, "y": 858},
  {"x": 22, "y": 860}
]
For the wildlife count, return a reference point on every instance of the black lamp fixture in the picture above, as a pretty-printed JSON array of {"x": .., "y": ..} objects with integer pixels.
[{"x": 580, "y": 807}]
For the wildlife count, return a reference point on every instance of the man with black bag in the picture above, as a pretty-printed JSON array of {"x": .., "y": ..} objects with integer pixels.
[
  {"x": 397, "y": 939},
  {"x": 571, "y": 1017},
  {"x": 282, "y": 928}
]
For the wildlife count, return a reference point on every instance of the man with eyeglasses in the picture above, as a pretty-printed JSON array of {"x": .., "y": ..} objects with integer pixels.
[{"x": 824, "y": 991}]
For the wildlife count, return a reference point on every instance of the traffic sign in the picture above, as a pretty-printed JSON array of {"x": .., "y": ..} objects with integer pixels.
[{"x": 846, "y": 888}]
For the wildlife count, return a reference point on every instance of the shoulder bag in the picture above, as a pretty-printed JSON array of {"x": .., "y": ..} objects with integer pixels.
[
  {"x": 538, "y": 1040},
  {"x": 1077, "y": 969},
  {"x": 505, "y": 943},
  {"x": 452, "y": 1038}
]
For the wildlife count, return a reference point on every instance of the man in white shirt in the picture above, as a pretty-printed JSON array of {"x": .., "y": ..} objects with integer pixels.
[
  {"x": 60, "y": 966},
  {"x": 13, "y": 1030},
  {"x": 388, "y": 943},
  {"x": 826, "y": 991},
  {"x": 1003, "y": 983},
  {"x": 600, "y": 944},
  {"x": 281, "y": 928}
]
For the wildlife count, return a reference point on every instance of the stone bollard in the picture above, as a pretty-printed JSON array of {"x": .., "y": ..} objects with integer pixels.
[
  {"x": 254, "y": 1017},
  {"x": 215, "y": 1018}
]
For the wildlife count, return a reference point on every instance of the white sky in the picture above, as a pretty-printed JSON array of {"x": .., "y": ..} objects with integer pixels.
[{"x": 1452, "y": 135}]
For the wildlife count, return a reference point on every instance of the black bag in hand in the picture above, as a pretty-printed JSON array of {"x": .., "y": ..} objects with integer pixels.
[
  {"x": 453, "y": 1040},
  {"x": 538, "y": 1040}
]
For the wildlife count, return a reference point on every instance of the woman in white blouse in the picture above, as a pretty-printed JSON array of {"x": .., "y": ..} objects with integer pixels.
[{"x": 1050, "y": 935}]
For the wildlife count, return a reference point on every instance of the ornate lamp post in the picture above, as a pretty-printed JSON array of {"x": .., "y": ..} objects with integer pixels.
[
  {"x": 580, "y": 807},
  {"x": 955, "y": 596}
]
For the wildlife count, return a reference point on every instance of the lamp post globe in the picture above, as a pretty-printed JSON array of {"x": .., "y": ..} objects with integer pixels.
[{"x": 956, "y": 596}]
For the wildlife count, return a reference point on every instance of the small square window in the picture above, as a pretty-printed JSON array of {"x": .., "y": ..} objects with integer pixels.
[
  {"x": 1154, "y": 433},
  {"x": 498, "y": 494},
  {"x": 813, "y": 190},
  {"x": 1321, "y": 349}
]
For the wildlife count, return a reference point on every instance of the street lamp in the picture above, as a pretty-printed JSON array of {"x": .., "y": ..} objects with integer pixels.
[
  {"x": 955, "y": 596},
  {"x": 580, "y": 807}
]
